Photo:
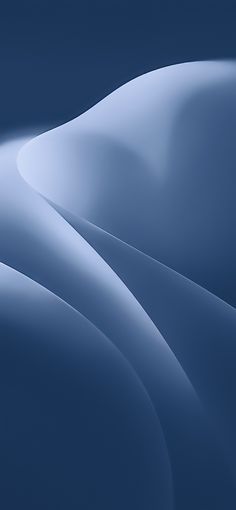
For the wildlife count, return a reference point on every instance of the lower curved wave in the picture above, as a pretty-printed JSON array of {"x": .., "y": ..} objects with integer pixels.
[{"x": 117, "y": 372}]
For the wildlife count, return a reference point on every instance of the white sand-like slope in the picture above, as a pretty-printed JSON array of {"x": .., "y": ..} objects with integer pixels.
[{"x": 117, "y": 294}]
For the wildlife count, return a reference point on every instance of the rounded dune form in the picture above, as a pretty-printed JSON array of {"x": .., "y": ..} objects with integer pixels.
[
  {"x": 154, "y": 164},
  {"x": 81, "y": 439},
  {"x": 117, "y": 294}
]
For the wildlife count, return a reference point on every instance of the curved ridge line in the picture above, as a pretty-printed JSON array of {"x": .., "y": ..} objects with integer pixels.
[
  {"x": 157, "y": 70},
  {"x": 176, "y": 360},
  {"x": 52, "y": 293},
  {"x": 202, "y": 407},
  {"x": 108, "y": 341},
  {"x": 144, "y": 254},
  {"x": 54, "y": 207},
  {"x": 191, "y": 386},
  {"x": 146, "y": 314}
]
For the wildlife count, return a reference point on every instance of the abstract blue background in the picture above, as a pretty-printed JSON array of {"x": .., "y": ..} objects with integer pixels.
[{"x": 117, "y": 255}]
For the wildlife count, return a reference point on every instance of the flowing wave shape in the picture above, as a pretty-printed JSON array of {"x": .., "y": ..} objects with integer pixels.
[{"x": 117, "y": 301}]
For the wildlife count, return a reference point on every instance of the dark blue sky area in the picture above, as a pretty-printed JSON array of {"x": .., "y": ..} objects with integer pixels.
[{"x": 59, "y": 58}]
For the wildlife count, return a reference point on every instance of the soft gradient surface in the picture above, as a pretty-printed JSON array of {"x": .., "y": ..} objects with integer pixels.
[{"x": 117, "y": 301}]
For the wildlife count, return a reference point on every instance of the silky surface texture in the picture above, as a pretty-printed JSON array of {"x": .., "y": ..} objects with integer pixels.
[{"x": 117, "y": 301}]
